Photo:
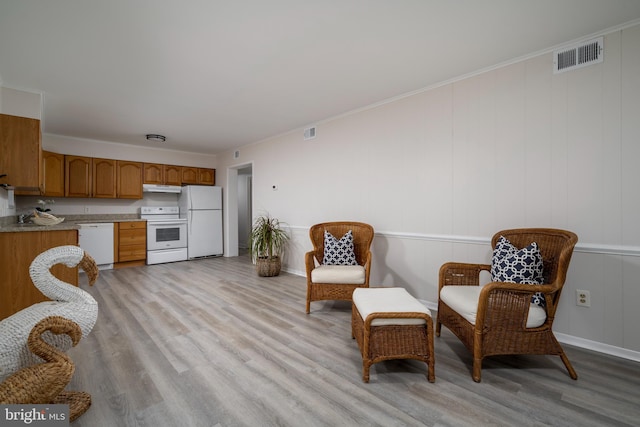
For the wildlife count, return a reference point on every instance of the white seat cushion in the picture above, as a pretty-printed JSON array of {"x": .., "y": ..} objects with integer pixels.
[
  {"x": 388, "y": 300},
  {"x": 464, "y": 301},
  {"x": 338, "y": 274}
]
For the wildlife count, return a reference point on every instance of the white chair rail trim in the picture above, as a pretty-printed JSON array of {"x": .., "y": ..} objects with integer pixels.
[{"x": 592, "y": 248}]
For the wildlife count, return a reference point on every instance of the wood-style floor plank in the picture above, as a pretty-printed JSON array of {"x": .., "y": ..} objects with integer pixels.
[{"x": 209, "y": 343}]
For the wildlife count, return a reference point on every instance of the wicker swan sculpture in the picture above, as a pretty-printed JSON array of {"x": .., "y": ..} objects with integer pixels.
[
  {"x": 45, "y": 382},
  {"x": 68, "y": 301}
]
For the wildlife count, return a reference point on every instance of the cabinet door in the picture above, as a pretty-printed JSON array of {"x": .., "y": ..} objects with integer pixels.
[
  {"x": 153, "y": 173},
  {"x": 77, "y": 176},
  {"x": 129, "y": 179},
  {"x": 53, "y": 174},
  {"x": 132, "y": 241},
  {"x": 206, "y": 176},
  {"x": 172, "y": 175},
  {"x": 189, "y": 175},
  {"x": 19, "y": 250},
  {"x": 104, "y": 178},
  {"x": 21, "y": 153}
]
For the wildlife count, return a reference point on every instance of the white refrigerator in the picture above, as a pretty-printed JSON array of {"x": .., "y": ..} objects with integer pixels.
[{"x": 201, "y": 205}]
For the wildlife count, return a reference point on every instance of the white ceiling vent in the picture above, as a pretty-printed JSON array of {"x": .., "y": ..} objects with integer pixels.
[
  {"x": 577, "y": 56},
  {"x": 309, "y": 133}
]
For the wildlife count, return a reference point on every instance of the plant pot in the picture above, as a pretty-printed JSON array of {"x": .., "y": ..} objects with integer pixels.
[{"x": 268, "y": 267}]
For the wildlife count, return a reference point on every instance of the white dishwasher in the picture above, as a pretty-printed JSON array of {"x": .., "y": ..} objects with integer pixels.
[{"x": 97, "y": 240}]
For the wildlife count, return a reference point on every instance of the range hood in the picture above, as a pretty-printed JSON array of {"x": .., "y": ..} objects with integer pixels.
[{"x": 159, "y": 188}]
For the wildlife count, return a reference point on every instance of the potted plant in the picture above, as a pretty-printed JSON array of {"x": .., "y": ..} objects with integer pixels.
[{"x": 266, "y": 245}]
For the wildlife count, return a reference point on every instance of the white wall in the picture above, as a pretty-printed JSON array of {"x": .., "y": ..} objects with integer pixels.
[
  {"x": 20, "y": 103},
  {"x": 439, "y": 172}
]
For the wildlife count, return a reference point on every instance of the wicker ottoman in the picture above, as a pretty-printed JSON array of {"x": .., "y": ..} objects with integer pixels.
[{"x": 388, "y": 323}]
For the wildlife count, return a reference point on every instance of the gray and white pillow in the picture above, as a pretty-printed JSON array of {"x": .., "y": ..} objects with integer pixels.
[
  {"x": 513, "y": 265},
  {"x": 339, "y": 252}
]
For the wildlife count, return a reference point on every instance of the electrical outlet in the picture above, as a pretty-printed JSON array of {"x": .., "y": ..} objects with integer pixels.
[
  {"x": 86, "y": 209},
  {"x": 583, "y": 298}
]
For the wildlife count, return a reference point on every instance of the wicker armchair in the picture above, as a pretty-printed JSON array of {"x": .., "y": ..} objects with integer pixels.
[
  {"x": 362, "y": 238},
  {"x": 503, "y": 309}
]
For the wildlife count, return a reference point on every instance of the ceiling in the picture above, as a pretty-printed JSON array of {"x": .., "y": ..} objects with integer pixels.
[{"x": 212, "y": 75}]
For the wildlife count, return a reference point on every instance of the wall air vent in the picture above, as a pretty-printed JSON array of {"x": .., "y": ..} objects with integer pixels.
[
  {"x": 309, "y": 133},
  {"x": 577, "y": 56}
]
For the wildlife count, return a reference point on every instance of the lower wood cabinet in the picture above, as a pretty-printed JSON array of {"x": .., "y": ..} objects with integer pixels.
[
  {"x": 130, "y": 243},
  {"x": 18, "y": 250}
]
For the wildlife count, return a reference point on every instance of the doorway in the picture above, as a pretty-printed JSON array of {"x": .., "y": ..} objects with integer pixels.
[
  {"x": 239, "y": 208},
  {"x": 244, "y": 207}
]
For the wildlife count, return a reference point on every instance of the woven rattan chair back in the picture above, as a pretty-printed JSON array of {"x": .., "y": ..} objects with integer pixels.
[
  {"x": 362, "y": 239},
  {"x": 556, "y": 247}
]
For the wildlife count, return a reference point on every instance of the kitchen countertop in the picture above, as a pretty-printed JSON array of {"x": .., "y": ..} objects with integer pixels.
[{"x": 71, "y": 222}]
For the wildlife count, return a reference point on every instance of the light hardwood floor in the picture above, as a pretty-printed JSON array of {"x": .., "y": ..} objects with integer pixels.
[{"x": 208, "y": 343}]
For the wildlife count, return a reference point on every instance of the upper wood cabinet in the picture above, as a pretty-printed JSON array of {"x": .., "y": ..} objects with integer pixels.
[
  {"x": 53, "y": 174},
  {"x": 189, "y": 175},
  {"x": 21, "y": 154},
  {"x": 129, "y": 179},
  {"x": 206, "y": 176},
  {"x": 108, "y": 178},
  {"x": 155, "y": 173},
  {"x": 172, "y": 175},
  {"x": 198, "y": 176},
  {"x": 78, "y": 174},
  {"x": 104, "y": 178}
]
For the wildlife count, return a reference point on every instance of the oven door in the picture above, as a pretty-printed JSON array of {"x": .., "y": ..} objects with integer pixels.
[{"x": 166, "y": 235}]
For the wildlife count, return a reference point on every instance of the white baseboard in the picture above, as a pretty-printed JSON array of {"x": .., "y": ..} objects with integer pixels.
[{"x": 599, "y": 347}]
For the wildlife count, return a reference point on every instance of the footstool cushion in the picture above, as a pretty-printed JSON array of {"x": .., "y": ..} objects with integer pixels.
[{"x": 389, "y": 323}]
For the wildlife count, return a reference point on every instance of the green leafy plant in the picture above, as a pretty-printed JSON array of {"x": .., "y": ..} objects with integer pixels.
[{"x": 267, "y": 238}]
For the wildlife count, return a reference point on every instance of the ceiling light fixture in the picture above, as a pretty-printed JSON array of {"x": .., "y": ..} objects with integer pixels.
[{"x": 156, "y": 137}]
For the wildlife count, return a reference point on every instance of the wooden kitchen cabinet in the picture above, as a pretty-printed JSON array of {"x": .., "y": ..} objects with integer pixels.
[
  {"x": 129, "y": 179},
  {"x": 53, "y": 174},
  {"x": 198, "y": 176},
  {"x": 104, "y": 178},
  {"x": 21, "y": 154},
  {"x": 78, "y": 173},
  {"x": 189, "y": 175},
  {"x": 18, "y": 250},
  {"x": 172, "y": 175},
  {"x": 130, "y": 244},
  {"x": 155, "y": 173},
  {"x": 206, "y": 176}
]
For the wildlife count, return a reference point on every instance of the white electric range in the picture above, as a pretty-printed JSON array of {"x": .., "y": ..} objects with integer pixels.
[{"x": 166, "y": 234}]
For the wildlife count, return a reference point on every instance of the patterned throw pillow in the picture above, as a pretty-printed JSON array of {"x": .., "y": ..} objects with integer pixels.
[
  {"x": 339, "y": 252},
  {"x": 513, "y": 265}
]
